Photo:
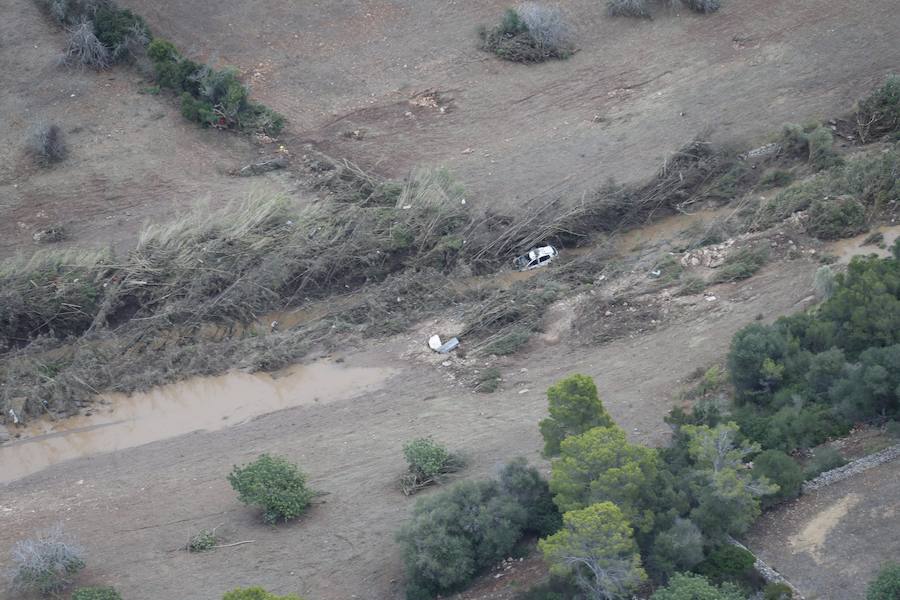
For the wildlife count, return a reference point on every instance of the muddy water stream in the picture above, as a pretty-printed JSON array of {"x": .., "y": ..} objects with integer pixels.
[{"x": 204, "y": 403}]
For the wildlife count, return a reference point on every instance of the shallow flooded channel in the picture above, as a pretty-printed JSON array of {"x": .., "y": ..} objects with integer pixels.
[{"x": 205, "y": 403}]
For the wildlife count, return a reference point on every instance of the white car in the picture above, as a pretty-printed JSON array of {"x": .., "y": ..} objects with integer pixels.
[{"x": 536, "y": 257}]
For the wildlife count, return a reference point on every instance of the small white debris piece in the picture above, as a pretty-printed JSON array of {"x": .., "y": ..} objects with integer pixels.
[{"x": 434, "y": 342}]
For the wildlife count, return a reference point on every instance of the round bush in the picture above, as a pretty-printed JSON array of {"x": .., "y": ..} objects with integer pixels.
[
  {"x": 426, "y": 457},
  {"x": 96, "y": 593},
  {"x": 778, "y": 591},
  {"x": 726, "y": 563},
  {"x": 256, "y": 593},
  {"x": 275, "y": 485},
  {"x": 704, "y": 6},
  {"x": 781, "y": 470},
  {"x": 886, "y": 585},
  {"x": 835, "y": 218}
]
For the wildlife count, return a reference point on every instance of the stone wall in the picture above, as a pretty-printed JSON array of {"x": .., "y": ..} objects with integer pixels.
[{"x": 851, "y": 468}]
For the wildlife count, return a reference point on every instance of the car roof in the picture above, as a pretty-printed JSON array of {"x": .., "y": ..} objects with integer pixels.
[{"x": 542, "y": 251}]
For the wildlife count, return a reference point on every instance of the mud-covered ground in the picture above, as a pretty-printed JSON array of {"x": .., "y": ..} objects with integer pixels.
[
  {"x": 634, "y": 92},
  {"x": 134, "y": 507},
  {"x": 131, "y": 158},
  {"x": 350, "y": 76}
]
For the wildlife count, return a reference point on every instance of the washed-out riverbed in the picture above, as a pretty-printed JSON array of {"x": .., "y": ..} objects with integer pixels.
[{"x": 203, "y": 403}]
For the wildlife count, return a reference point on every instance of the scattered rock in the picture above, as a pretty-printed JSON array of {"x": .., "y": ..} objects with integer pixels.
[
  {"x": 707, "y": 256},
  {"x": 4, "y": 435}
]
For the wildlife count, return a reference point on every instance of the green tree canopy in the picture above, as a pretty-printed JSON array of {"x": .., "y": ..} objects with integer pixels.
[
  {"x": 596, "y": 546},
  {"x": 783, "y": 471},
  {"x": 687, "y": 586},
  {"x": 886, "y": 585},
  {"x": 601, "y": 465},
  {"x": 678, "y": 548},
  {"x": 454, "y": 534},
  {"x": 574, "y": 408},
  {"x": 865, "y": 308},
  {"x": 725, "y": 491}
]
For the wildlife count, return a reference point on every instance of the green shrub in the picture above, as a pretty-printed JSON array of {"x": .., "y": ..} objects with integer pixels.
[
  {"x": 205, "y": 540},
  {"x": 778, "y": 591},
  {"x": 556, "y": 588},
  {"x": 488, "y": 381},
  {"x": 96, "y": 593},
  {"x": 427, "y": 461},
  {"x": 275, "y": 485},
  {"x": 455, "y": 534},
  {"x": 532, "y": 492},
  {"x": 113, "y": 25},
  {"x": 821, "y": 154},
  {"x": 162, "y": 51},
  {"x": 180, "y": 76},
  {"x": 794, "y": 140},
  {"x": 727, "y": 562},
  {"x": 510, "y": 343},
  {"x": 886, "y": 585},
  {"x": 742, "y": 264},
  {"x": 703, "y": 6},
  {"x": 892, "y": 428},
  {"x": 628, "y": 8},
  {"x": 256, "y": 593},
  {"x": 687, "y": 586},
  {"x": 197, "y": 110},
  {"x": 47, "y": 145},
  {"x": 529, "y": 33},
  {"x": 781, "y": 470},
  {"x": 834, "y": 218},
  {"x": 799, "y": 196},
  {"x": 678, "y": 548},
  {"x": 46, "y": 563},
  {"x": 776, "y": 178},
  {"x": 879, "y": 114},
  {"x": 824, "y": 282},
  {"x": 691, "y": 285}
]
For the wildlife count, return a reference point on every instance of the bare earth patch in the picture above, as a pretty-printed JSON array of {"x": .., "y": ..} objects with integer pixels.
[{"x": 831, "y": 543}]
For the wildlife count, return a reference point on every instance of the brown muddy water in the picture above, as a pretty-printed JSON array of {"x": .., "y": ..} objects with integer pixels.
[{"x": 204, "y": 403}]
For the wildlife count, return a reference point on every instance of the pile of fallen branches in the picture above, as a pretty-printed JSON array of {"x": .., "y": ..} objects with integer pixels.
[
  {"x": 612, "y": 208},
  {"x": 391, "y": 248},
  {"x": 235, "y": 264}
]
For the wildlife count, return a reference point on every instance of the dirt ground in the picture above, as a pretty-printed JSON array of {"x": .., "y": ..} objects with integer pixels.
[
  {"x": 509, "y": 132},
  {"x": 134, "y": 507},
  {"x": 831, "y": 543},
  {"x": 131, "y": 156},
  {"x": 635, "y": 91}
]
